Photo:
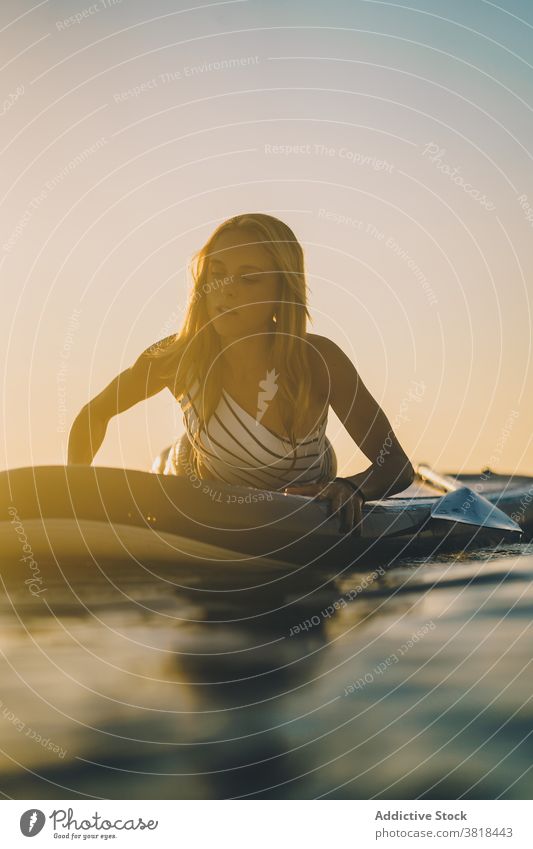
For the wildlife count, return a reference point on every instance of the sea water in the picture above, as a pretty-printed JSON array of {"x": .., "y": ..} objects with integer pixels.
[{"x": 404, "y": 682}]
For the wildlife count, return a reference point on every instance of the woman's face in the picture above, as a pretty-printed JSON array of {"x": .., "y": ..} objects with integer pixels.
[{"x": 243, "y": 286}]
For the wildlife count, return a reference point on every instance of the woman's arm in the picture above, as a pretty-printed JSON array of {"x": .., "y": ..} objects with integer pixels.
[
  {"x": 131, "y": 386},
  {"x": 365, "y": 421},
  {"x": 391, "y": 471}
]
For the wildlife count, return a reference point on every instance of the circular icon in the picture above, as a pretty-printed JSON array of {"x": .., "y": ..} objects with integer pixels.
[{"x": 31, "y": 822}]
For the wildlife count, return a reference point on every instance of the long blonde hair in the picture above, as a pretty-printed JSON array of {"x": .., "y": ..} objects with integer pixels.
[{"x": 194, "y": 353}]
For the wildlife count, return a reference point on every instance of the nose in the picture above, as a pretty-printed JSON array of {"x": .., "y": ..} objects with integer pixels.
[
  {"x": 228, "y": 291},
  {"x": 226, "y": 302}
]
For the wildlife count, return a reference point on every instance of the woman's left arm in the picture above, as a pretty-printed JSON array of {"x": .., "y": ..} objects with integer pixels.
[
  {"x": 391, "y": 470},
  {"x": 367, "y": 424}
]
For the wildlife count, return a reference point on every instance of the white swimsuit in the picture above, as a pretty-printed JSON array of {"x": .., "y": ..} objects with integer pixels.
[{"x": 237, "y": 449}]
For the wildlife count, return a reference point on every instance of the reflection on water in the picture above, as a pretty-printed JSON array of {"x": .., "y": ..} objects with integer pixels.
[{"x": 405, "y": 683}]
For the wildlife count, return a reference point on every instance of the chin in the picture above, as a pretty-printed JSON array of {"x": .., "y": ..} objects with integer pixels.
[{"x": 239, "y": 325}]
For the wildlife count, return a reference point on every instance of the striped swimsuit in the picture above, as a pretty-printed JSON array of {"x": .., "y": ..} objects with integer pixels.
[{"x": 237, "y": 449}]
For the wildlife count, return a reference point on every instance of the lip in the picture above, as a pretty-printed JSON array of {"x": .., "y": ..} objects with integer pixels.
[{"x": 226, "y": 311}]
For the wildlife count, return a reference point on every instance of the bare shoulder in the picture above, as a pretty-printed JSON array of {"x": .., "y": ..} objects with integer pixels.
[
  {"x": 327, "y": 350},
  {"x": 334, "y": 369},
  {"x": 319, "y": 343},
  {"x": 147, "y": 366},
  {"x": 161, "y": 345},
  {"x": 321, "y": 352}
]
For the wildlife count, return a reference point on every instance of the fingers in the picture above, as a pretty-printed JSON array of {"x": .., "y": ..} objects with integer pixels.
[
  {"x": 335, "y": 498},
  {"x": 347, "y": 517},
  {"x": 349, "y": 504},
  {"x": 341, "y": 500},
  {"x": 357, "y": 512}
]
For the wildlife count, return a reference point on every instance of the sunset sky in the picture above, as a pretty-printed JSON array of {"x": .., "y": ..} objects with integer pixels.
[{"x": 395, "y": 142}]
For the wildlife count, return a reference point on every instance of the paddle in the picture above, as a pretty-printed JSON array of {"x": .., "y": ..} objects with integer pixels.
[{"x": 462, "y": 504}]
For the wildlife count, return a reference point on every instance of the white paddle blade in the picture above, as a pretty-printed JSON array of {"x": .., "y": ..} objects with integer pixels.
[{"x": 468, "y": 507}]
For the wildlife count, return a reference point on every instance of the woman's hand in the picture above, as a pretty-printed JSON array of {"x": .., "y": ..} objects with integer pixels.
[{"x": 341, "y": 496}]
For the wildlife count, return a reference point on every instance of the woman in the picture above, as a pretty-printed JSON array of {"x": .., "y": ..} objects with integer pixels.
[{"x": 254, "y": 386}]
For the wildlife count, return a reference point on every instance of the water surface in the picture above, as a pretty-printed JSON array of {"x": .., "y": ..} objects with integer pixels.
[{"x": 411, "y": 682}]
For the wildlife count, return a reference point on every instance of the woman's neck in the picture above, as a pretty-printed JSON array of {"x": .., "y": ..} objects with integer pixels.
[{"x": 244, "y": 357}]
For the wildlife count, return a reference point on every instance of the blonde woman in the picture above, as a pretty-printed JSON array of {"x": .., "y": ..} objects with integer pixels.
[{"x": 254, "y": 386}]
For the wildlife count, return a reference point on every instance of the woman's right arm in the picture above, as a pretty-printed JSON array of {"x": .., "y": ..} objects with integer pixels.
[{"x": 131, "y": 386}]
